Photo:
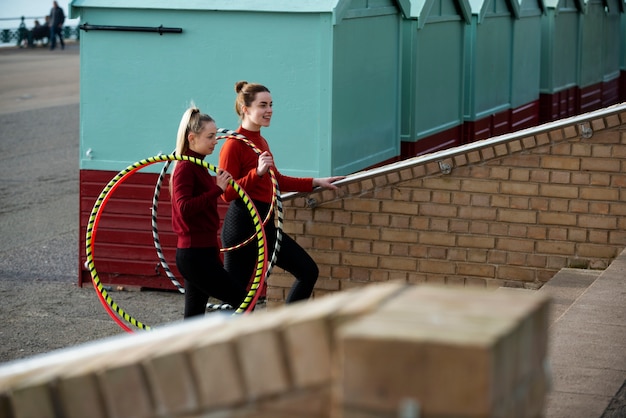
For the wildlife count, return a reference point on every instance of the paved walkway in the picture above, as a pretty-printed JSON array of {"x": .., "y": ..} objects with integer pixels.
[
  {"x": 588, "y": 342},
  {"x": 588, "y": 331},
  {"x": 36, "y": 78}
]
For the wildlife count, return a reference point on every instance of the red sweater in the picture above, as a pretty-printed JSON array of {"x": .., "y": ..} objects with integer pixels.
[
  {"x": 240, "y": 160},
  {"x": 194, "y": 205}
]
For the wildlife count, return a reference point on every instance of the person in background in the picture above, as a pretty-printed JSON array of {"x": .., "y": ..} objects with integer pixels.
[
  {"x": 57, "y": 18},
  {"x": 40, "y": 32},
  {"x": 250, "y": 171},
  {"x": 195, "y": 220}
]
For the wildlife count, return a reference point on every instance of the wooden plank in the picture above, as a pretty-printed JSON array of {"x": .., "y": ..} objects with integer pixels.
[
  {"x": 525, "y": 116},
  {"x": 124, "y": 252}
]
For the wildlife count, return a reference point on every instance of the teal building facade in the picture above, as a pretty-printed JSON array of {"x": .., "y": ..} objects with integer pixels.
[{"x": 355, "y": 84}]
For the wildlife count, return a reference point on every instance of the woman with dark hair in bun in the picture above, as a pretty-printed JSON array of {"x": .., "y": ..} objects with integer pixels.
[
  {"x": 250, "y": 171},
  {"x": 195, "y": 219}
]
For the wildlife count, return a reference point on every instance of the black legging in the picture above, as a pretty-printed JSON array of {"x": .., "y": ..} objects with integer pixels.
[
  {"x": 240, "y": 263},
  {"x": 204, "y": 277}
]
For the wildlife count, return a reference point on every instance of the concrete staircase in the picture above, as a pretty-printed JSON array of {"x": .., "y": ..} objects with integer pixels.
[{"x": 587, "y": 345}]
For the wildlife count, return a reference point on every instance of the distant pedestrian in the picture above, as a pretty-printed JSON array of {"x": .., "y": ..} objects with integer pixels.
[{"x": 57, "y": 18}]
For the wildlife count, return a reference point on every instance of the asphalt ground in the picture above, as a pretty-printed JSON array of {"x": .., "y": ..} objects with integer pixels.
[{"x": 42, "y": 308}]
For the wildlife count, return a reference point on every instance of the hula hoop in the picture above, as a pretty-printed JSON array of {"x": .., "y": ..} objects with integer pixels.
[
  {"x": 157, "y": 241},
  {"x": 110, "y": 306},
  {"x": 278, "y": 210},
  {"x": 155, "y": 229}
]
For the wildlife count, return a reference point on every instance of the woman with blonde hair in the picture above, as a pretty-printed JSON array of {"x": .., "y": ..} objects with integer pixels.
[{"x": 195, "y": 219}]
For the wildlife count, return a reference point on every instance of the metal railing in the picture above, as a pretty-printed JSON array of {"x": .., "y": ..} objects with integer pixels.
[{"x": 22, "y": 33}]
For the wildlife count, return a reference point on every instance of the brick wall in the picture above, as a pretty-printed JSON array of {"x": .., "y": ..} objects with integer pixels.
[
  {"x": 380, "y": 351},
  {"x": 512, "y": 211}
]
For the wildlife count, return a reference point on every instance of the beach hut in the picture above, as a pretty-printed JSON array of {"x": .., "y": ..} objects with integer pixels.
[
  {"x": 333, "y": 68},
  {"x": 580, "y": 68},
  {"x": 433, "y": 51},
  {"x": 488, "y": 68}
]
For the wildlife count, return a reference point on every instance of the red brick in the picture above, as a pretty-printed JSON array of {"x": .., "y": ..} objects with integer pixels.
[
  {"x": 430, "y": 209},
  {"x": 527, "y": 189},
  {"x": 476, "y": 242},
  {"x": 261, "y": 356},
  {"x": 325, "y": 230},
  {"x": 600, "y": 179},
  {"x": 479, "y": 213},
  {"x": 517, "y": 216},
  {"x": 359, "y": 260},
  {"x": 600, "y": 164},
  {"x": 173, "y": 384},
  {"x": 481, "y": 270},
  {"x": 408, "y": 208},
  {"x": 398, "y": 263},
  {"x": 364, "y": 246},
  {"x": 362, "y": 205},
  {"x": 556, "y": 247},
  {"x": 516, "y": 273},
  {"x": 398, "y": 235},
  {"x": 560, "y": 163},
  {"x": 599, "y": 194},
  {"x": 436, "y": 266},
  {"x": 33, "y": 401},
  {"x": 80, "y": 397},
  {"x": 515, "y": 245},
  {"x": 121, "y": 402},
  {"x": 360, "y": 219},
  {"x": 547, "y": 218},
  {"x": 436, "y": 238},
  {"x": 599, "y": 221}
]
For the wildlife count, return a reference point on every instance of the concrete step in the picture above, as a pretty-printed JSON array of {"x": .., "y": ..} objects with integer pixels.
[
  {"x": 566, "y": 287},
  {"x": 587, "y": 346}
]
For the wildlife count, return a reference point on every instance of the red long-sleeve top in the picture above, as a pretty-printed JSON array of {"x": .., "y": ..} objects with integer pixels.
[
  {"x": 194, "y": 204},
  {"x": 240, "y": 160}
]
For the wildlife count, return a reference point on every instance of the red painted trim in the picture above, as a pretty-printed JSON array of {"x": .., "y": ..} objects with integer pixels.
[
  {"x": 558, "y": 105},
  {"x": 525, "y": 116},
  {"x": 590, "y": 98},
  {"x": 442, "y": 140},
  {"x": 610, "y": 92},
  {"x": 124, "y": 252}
]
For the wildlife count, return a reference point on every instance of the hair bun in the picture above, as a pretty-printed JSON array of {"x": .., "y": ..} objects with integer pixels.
[{"x": 240, "y": 85}]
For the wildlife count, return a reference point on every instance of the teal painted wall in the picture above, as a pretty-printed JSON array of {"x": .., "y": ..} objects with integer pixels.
[
  {"x": 335, "y": 87},
  {"x": 136, "y": 86},
  {"x": 592, "y": 37},
  {"x": 578, "y": 45},
  {"x": 432, "y": 71},
  {"x": 559, "y": 49},
  {"x": 611, "y": 30},
  {"x": 488, "y": 71},
  {"x": 623, "y": 37},
  {"x": 366, "y": 85},
  {"x": 526, "y": 66}
]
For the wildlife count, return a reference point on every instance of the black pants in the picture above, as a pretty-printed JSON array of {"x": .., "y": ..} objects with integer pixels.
[
  {"x": 54, "y": 32},
  {"x": 204, "y": 277},
  {"x": 240, "y": 263}
]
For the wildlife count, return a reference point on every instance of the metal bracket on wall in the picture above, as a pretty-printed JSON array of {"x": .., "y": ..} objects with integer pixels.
[
  {"x": 445, "y": 168},
  {"x": 310, "y": 202},
  {"x": 159, "y": 29},
  {"x": 585, "y": 131}
]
